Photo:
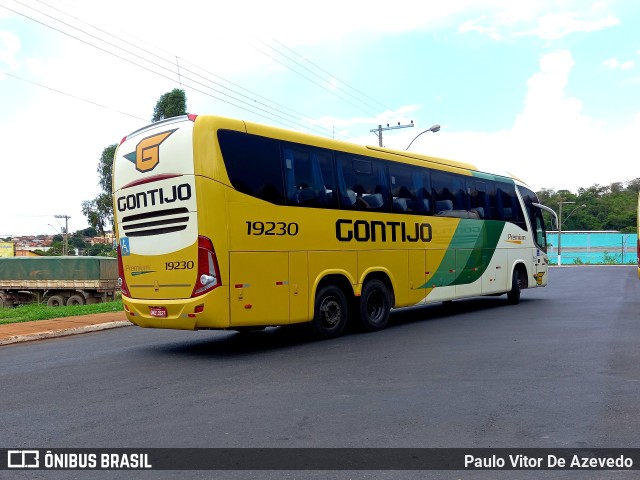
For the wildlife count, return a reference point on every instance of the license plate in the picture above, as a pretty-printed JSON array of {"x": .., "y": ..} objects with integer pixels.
[{"x": 160, "y": 312}]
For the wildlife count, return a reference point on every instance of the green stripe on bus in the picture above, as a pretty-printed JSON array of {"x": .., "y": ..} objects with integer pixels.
[{"x": 469, "y": 253}]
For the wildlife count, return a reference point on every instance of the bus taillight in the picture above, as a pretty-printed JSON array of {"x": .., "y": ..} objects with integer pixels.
[
  {"x": 208, "y": 276},
  {"x": 122, "y": 282}
]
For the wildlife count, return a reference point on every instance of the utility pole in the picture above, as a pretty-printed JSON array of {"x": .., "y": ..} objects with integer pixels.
[
  {"x": 378, "y": 131},
  {"x": 65, "y": 233}
]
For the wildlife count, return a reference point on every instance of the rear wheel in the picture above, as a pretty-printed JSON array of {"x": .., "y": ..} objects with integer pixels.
[
  {"x": 513, "y": 295},
  {"x": 375, "y": 305},
  {"x": 55, "y": 301},
  {"x": 75, "y": 300},
  {"x": 330, "y": 312}
]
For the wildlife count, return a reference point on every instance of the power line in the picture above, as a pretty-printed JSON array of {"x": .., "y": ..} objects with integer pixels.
[
  {"x": 307, "y": 78},
  {"x": 177, "y": 58},
  {"x": 333, "y": 76},
  {"x": 177, "y": 65},
  {"x": 269, "y": 114},
  {"x": 73, "y": 96},
  {"x": 273, "y": 117}
]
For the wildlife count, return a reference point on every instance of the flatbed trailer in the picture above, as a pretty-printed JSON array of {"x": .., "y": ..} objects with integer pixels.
[{"x": 57, "y": 281}]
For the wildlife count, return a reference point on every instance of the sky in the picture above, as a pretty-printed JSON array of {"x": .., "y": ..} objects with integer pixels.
[{"x": 545, "y": 90}]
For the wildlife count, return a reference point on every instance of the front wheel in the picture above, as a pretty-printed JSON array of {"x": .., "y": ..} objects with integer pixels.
[
  {"x": 330, "y": 312},
  {"x": 513, "y": 295},
  {"x": 375, "y": 305}
]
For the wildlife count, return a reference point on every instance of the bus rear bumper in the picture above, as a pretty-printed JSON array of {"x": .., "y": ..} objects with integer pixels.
[{"x": 208, "y": 311}]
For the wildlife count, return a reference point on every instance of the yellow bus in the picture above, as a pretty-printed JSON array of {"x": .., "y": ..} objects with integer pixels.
[{"x": 227, "y": 224}]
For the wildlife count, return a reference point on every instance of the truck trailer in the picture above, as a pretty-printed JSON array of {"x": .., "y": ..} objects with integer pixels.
[{"x": 57, "y": 281}]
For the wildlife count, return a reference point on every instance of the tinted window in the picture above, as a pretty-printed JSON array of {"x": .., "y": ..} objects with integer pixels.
[
  {"x": 537, "y": 221},
  {"x": 507, "y": 204},
  {"x": 449, "y": 192},
  {"x": 308, "y": 175},
  {"x": 479, "y": 194},
  {"x": 362, "y": 183},
  {"x": 410, "y": 189},
  {"x": 535, "y": 216},
  {"x": 253, "y": 165}
]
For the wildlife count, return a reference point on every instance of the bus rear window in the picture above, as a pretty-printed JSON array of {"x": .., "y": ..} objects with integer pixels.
[{"x": 253, "y": 165}]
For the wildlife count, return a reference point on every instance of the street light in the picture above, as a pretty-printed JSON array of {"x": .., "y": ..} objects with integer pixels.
[
  {"x": 560, "y": 226},
  {"x": 434, "y": 129},
  {"x": 65, "y": 236}
]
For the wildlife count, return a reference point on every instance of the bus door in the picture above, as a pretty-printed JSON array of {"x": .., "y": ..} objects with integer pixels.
[{"x": 540, "y": 261}]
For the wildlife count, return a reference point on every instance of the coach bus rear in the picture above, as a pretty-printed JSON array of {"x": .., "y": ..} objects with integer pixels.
[{"x": 167, "y": 266}]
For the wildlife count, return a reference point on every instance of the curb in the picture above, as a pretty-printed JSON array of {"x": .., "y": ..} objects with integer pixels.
[{"x": 63, "y": 333}]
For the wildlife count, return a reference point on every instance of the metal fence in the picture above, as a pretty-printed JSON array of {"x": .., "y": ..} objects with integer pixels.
[{"x": 593, "y": 248}]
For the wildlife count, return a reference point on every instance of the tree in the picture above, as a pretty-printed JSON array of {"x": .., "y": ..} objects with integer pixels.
[
  {"x": 99, "y": 211},
  {"x": 102, "y": 250},
  {"x": 87, "y": 232},
  {"x": 612, "y": 207},
  {"x": 171, "y": 104}
]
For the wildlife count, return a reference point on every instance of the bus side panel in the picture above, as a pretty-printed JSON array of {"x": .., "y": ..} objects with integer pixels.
[
  {"x": 495, "y": 277},
  {"x": 392, "y": 262},
  {"x": 417, "y": 277},
  {"x": 298, "y": 287},
  {"x": 469, "y": 263},
  {"x": 259, "y": 288},
  {"x": 440, "y": 271}
]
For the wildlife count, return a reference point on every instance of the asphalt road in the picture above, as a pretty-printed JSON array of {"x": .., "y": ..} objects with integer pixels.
[{"x": 558, "y": 370}]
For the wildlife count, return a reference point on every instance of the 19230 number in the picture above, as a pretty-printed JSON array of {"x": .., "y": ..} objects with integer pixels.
[
  {"x": 179, "y": 265},
  {"x": 272, "y": 228}
]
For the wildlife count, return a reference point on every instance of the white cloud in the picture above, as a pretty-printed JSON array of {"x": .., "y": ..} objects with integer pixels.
[
  {"x": 400, "y": 115},
  {"x": 543, "y": 19},
  {"x": 557, "y": 25},
  {"x": 614, "y": 63},
  {"x": 9, "y": 48},
  {"x": 473, "y": 26},
  {"x": 552, "y": 143}
]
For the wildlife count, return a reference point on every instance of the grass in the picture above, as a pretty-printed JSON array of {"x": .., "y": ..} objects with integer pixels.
[{"x": 27, "y": 313}]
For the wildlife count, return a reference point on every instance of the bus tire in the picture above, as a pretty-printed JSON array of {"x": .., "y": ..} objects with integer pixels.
[
  {"x": 55, "y": 301},
  {"x": 75, "y": 300},
  {"x": 513, "y": 295},
  {"x": 330, "y": 312},
  {"x": 375, "y": 305}
]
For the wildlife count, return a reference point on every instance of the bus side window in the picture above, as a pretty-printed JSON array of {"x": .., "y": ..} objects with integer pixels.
[
  {"x": 409, "y": 189},
  {"x": 362, "y": 183},
  {"x": 508, "y": 206},
  {"x": 449, "y": 193},
  {"x": 253, "y": 165},
  {"x": 308, "y": 175},
  {"x": 478, "y": 197}
]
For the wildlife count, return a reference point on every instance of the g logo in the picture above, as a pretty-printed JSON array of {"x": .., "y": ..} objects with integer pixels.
[{"x": 147, "y": 154}]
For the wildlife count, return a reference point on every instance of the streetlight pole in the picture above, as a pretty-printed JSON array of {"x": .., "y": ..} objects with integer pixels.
[
  {"x": 434, "y": 128},
  {"x": 65, "y": 233},
  {"x": 378, "y": 131},
  {"x": 560, "y": 226},
  {"x": 560, "y": 231}
]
